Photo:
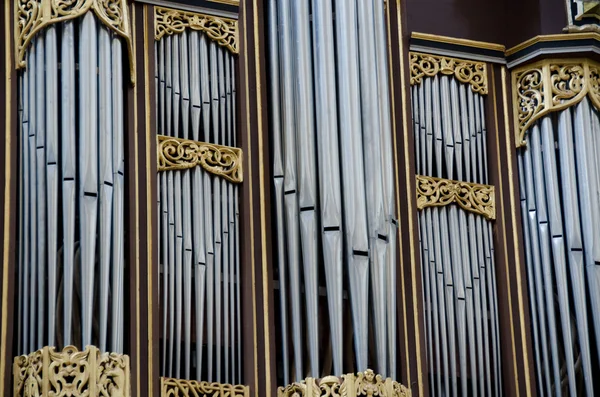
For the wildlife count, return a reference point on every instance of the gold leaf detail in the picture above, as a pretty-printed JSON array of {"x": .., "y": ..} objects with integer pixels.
[
  {"x": 549, "y": 86},
  {"x": 224, "y": 31},
  {"x": 181, "y": 154},
  {"x": 32, "y": 16},
  {"x": 71, "y": 372},
  {"x": 468, "y": 72},
  {"x": 473, "y": 197},
  {"x": 365, "y": 383},
  {"x": 182, "y": 387}
]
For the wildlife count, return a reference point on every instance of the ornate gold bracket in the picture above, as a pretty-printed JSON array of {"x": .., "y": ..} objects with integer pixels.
[
  {"x": 180, "y": 387},
  {"x": 31, "y": 16},
  {"x": 468, "y": 72},
  {"x": 71, "y": 373},
  {"x": 181, "y": 154},
  {"x": 222, "y": 30},
  {"x": 551, "y": 85},
  {"x": 350, "y": 385},
  {"x": 437, "y": 192}
]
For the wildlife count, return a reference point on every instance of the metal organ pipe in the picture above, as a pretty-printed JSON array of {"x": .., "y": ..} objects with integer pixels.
[
  {"x": 199, "y": 229},
  {"x": 342, "y": 123},
  {"x": 456, "y": 246},
  {"x": 71, "y": 158}
]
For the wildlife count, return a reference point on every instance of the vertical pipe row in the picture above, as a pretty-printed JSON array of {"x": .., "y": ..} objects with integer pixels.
[
  {"x": 199, "y": 215},
  {"x": 319, "y": 117},
  {"x": 68, "y": 264},
  {"x": 461, "y": 309}
]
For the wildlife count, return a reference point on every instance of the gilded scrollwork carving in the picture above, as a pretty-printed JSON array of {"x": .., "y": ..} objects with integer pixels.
[
  {"x": 31, "y": 16},
  {"x": 361, "y": 384},
  {"x": 437, "y": 192},
  {"x": 549, "y": 86},
  {"x": 71, "y": 372},
  {"x": 170, "y": 387},
  {"x": 467, "y": 72},
  {"x": 180, "y": 154},
  {"x": 223, "y": 31}
]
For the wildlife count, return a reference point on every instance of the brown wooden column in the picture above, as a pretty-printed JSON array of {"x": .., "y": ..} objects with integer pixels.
[
  {"x": 8, "y": 197},
  {"x": 411, "y": 324},
  {"x": 518, "y": 369},
  {"x": 141, "y": 215},
  {"x": 258, "y": 308}
]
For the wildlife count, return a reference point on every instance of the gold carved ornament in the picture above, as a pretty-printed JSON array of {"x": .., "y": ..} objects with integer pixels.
[
  {"x": 71, "y": 372},
  {"x": 473, "y": 197},
  {"x": 550, "y": 86},
  {"x": 468, "y": 72},
  {"x": 170, "y": 387},
  {"x": 223, "y": 31},
  {"x": 350, "y": 385},
  {"x": 31, "y": 16},
  {"x": 181, "y": 154}
]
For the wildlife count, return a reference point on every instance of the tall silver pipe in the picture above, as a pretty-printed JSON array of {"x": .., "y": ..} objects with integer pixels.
[
  {"x": 205, "y": 100},
  {"x": 530, "y": 276},
  {"x": 588, "y": 200},
  {"x": 355, "y": 214},
  {"x": 21, "y": 237},
  {"x": 542, "y": 310},
  {"x": 88, "y": 171},
  {"x": 52, "y": 173},
  {"x": 176, "y": 80},
  {"x": 32, "y": 281},
  {"x": 68, "y": 95},
  {"x": 40, "y": 197},
  {"x": 25, "y": 229},
  {"x": 545, "y": 251},
  {"x": 290, "y": 180},
  {"x": 105, "y": 176},
  {"x": 373, "y": 174},
  {"x": 216, "y": 185},
  {"x": 329, "y": 180},
  {"x": 307, "y": 182},
  {"x": 188, "y": 260},
  {"x": 118, "y": 169},
  {"x": 224, "y": 213}
]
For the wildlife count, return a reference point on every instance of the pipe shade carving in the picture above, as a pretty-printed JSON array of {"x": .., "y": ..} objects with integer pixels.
[
  {"x": 549, "y": 86},
  {"x": 224, "y": 31},
  {"x": 181, "y": 154},
  {"x": 468, "y": 72},
  {"x": 32, "y": 16},
  {"x": 350, "y": 385},
  {"x": 437, "y": 192},
  {"x": 71, "y": 372},
  {"x": 170, "y": 387}
]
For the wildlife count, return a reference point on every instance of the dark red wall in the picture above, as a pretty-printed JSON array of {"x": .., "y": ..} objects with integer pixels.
[{"x": 507, "y": 22}]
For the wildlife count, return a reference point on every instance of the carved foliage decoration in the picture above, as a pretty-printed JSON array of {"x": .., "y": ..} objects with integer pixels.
[
  {"x": 170, "y": 387},
  {"x": 468, "y": 72},
  {"x": 31, "y": 16},
  {"x": 70, "y": 372},
  {"x": 350, "y": 385},
  {"x": 222, "y": 30},
  {"x": 437, "y": 192},
  {"x": 181, "y": 154},
  {"x": 550, "y": 86}
]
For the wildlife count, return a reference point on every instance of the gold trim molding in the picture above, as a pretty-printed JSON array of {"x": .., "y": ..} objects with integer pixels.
[
  {"x": 350, "y": 385},
  {"x": 549, "y": 86},
  {"x": 31, "y": 16},
  {"x": 170, "y": 387},
  {"x": 181, "y": 154},
  {"x": 456, "y": 41},
  {"x": 473, "y": 197},
  {"x": 71, "y": 372},
  {"x": 468, "y": 72},
  {"x": 224, "y": 31}
]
